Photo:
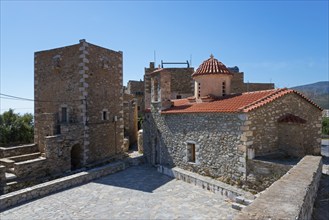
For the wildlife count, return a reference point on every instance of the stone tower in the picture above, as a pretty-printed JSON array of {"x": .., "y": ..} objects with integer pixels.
[
  {"x": 212, "y": 78},
  {"x": 79, "y": 99}
]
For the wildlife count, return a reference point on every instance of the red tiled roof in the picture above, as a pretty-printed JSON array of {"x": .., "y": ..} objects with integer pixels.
[
  {"x": 211, "y": 66},
  {"x": 244, "y": 102},
  {"x": 291, "y": 118}
]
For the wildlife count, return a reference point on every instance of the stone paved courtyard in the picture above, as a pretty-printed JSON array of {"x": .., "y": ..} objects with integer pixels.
[{"x": 137, "y": 193}]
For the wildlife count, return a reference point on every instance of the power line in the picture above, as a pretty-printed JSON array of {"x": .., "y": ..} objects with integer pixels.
[{"x": 11, "y": 97}]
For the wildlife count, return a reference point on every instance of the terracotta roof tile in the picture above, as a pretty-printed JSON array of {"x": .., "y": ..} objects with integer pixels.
[
  {"x": 244, "y": 102},
  {"x": 211, "y": 66}
]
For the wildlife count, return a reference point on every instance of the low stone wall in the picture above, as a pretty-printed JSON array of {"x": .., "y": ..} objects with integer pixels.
[
  {"x": 291, "y": 197},
  {"x": 261, "y": 174},
  {"x": 2, "y": 178},
  {"x": 17, "y": 150},
  {"x": 36, "y": 168},
  {"x": 205, "y": 182},
  {"x": 40, "y": 190}
]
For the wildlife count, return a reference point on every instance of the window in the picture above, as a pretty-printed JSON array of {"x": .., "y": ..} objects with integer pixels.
[
  {"x": 224, "y": 88},
  {"x": 138, "y": 108},
  {"x": 104, "y": 115},
  {"x": 64, "y": 114},
  {"x": 190, "y": 152},
  {"x": 199, "y": 90},
  {"x": 178, "y": 97}
]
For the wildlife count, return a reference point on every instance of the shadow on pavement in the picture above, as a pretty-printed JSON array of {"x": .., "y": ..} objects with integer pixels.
[{"x": 143, "y": 178}]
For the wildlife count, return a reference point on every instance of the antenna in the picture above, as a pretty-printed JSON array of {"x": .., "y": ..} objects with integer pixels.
[
  {"x": 191, "y": 59},
  {"x": 154, "y": 57}
]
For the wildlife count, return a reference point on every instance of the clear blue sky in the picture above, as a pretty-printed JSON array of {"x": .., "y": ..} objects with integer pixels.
[{"x": 285, "y": 42}]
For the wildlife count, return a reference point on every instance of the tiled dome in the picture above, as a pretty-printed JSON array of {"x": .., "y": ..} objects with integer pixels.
[{"x": 211, "y": 66}]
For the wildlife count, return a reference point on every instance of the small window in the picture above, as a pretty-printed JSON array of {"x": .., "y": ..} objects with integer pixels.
[
  {"x": 191, "y": 152},
  {"x": 224, "y": 88},
  {"x": 138, "y": 108},
  {"x": 199, "y": 91},
  {"x": 104, "y": 116},
  {"x": 178, "y": 97},
  {"x": 64, "y": 114}
]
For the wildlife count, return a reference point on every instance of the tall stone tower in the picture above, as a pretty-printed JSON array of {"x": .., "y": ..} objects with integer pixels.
[{"x": 79, "y": 97}]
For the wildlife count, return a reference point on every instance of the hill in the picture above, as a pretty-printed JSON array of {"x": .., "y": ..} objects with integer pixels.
[{"x": 318, "y": 92}]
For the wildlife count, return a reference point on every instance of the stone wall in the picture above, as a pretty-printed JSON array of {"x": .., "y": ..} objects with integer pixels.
[
  {"x": 291, "y": 197},
  {"x": 81, "y": 83},
  {"x": 55, "y": 87},
  {"x": 239, "y": 86},
  {"x": 263, "y": 127},
  {"x": 261, "y": 174},
  {"x": 216, "y": 137},
  {"x": 130, "y": 118},
  {"x": 32, "y": 168},
  {"x": 205, "y": 182},
  {"x": 17, "y": 150},
  {"x": 249, "y": 87},
  {"x": 2, "y": 178},
  {"x": 179, "y": 79},
  {"x": 104, "y": 93},
  {"x": 136, "y": 88}
]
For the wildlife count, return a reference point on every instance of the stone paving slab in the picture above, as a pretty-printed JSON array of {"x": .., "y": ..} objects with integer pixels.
[{"x": 138, "y": 192}]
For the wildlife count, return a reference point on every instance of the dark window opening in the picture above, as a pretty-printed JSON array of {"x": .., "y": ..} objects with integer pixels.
[
  {"x": 178, "y": 97},
  {"x": 64, "y": 114},
  {"x": 191, "y": 152},
  {"x": 224, "y": 88},
  {"x": 104, "y": 116}
]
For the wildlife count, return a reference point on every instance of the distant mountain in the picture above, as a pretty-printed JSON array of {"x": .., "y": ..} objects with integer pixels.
[{"x": 318, "y": 92}]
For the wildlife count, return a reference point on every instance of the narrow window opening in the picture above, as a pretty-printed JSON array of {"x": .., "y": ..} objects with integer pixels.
[
  {"x": 64, "y": 114},
  {"x": 199, "y": 90},
  {"x": 191, "y": 152},
  {"x": 224, "y": 88},
  {"x": 104, "y": 115}
]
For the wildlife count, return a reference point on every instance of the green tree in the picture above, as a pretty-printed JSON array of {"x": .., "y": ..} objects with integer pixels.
[
  {"x": 16, "y": 129},
  {"x": 325, "y": 125}
]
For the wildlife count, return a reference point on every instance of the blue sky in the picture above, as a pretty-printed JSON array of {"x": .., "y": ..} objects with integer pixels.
[{"x": 285, "y": 42}]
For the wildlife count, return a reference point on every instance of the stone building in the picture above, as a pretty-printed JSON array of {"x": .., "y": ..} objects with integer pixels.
[
  {"x": 238, "y": 85},
  {"x": 136, "y": 88},
  {"x": 79, "y": 98},
  {"x": 179, "y": 82},
  {"x": 130, "y": 118},
  {"x": 219, "y": 133}
]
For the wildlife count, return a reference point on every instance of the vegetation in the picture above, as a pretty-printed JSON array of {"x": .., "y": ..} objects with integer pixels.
[
  {"x": 325, "y": 126},
  {"x": 15, "y": 128},
  {"x": 318, "y": 92}
]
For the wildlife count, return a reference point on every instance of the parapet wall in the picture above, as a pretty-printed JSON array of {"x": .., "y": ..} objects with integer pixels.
[{"x": 291, "y": 197}]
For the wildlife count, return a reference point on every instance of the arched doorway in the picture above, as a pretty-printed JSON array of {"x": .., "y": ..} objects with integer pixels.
[
  {"x": 76, "y": 157},
  {"x": 291, "y": 135}
]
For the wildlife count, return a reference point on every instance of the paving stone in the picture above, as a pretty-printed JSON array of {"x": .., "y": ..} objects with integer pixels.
[{"x": 138, "y": 192}]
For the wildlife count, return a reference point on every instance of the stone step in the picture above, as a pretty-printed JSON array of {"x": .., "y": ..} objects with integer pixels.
[
  {"x": 8, "y": 163},
  {"x": 10, "y": 177},
  {"x": 243, "y": 201},
  {"x": 238, "y": 206},
  {"x": 18, "y": 150},
  {"x": 24, "y": 157}
]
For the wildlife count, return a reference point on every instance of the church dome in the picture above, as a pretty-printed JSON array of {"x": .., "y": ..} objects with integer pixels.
[{"x": 211, "y": 66}]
